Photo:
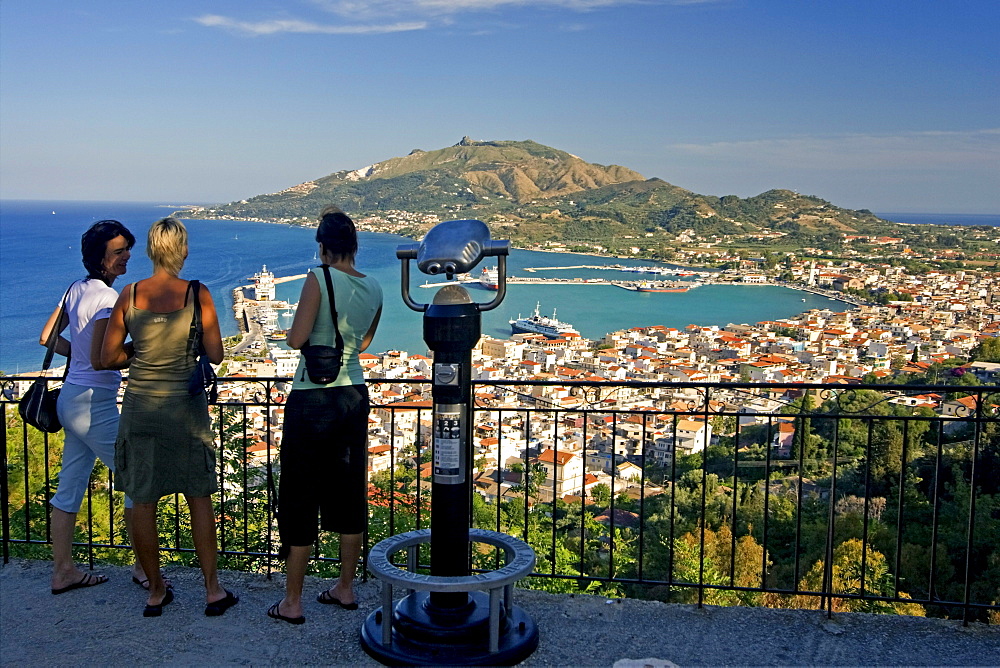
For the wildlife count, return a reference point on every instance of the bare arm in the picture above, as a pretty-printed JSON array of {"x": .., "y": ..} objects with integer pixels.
[
  {"x": 62, "y": 345},
  {"x": 97, "y": 343},
  {"x": 113, "y": 353},
  {"x": 305, "y": 314},
  {"x": 370, "y": 334},
  {"x": 211, "y": 336}
]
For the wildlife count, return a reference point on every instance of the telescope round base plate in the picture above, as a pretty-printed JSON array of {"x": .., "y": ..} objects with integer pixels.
[{"x": 518, "y": 639}]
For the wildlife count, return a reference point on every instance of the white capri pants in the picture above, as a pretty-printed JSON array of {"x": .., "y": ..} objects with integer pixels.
[{"x": 89, "y": 416}]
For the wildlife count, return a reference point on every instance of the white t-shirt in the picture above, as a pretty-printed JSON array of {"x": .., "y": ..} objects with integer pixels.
[{"x": 88, "y": 301}]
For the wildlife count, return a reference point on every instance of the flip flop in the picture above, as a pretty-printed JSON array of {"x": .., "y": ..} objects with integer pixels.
[
  {"x": 88, "y": 580},
  {"x": 157, "y": 610},
  {"x": 217, "y": 608},
  {"x": 145, "y": 583},
  {"x": 326, "y": 598},
  {"x": 274, "y": 612}
]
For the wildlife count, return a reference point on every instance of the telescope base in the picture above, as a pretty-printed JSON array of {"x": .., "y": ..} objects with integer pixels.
[{"x": 424, "y": 635}]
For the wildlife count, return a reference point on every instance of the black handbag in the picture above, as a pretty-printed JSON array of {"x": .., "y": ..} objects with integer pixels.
[
  {"x": 323, "y": 362},
  {"x": 37, "y": 406},
  {"x": 203, "y": 378}
]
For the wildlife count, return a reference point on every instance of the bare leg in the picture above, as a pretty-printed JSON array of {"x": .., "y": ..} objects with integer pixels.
[
  {"x": 146, "y": 543},
  {"x": 64, "y": 570},
  {"x": 350, "y": 553},
  {"x": 137, "y": 571},
  {"x": 295, "y": 568},
  {"x": 205, "y": 545}
]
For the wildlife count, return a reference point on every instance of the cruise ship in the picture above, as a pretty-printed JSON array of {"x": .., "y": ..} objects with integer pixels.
[
  {"x": 490, "y": 278},
  {"x": 538, "y": 324},
  {"x": 263, "y": 283}
]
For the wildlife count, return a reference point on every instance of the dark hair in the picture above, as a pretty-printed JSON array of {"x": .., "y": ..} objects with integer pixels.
[
  {"x": 94, "y": 243},
  {"x": 337, "y": 233}
]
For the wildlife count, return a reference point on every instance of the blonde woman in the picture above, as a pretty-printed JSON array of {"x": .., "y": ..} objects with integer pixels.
[{"x": 165, "y": 442}]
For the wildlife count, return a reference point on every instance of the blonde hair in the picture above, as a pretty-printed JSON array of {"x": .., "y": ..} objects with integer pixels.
[{"x": 166, "y": 245}]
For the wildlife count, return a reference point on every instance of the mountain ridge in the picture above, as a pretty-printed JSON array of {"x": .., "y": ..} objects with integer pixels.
[{"x": 534, "y": 192}]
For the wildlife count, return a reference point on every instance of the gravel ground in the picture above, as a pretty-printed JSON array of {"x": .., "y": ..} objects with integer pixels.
[{"x": 103, "y": 626}]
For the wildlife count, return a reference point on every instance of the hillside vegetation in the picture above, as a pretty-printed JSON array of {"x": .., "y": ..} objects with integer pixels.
[{"x": 536, "y": 192}]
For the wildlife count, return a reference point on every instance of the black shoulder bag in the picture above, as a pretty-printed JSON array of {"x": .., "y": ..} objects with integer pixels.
[
  {"x": 323, "y": 362},
  {"x": 37, "y": 406},
  {"x": 203, "y": 378}
]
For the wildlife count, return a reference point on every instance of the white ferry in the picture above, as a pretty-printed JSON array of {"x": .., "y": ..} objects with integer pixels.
[
  {"x": 263, "y": 283},
  {"x": 539, "y": 324},
  {"x": 490, "y": 278}
]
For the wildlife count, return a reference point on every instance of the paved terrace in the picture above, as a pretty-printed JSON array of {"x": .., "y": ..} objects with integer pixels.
[{"x": 103, "y": 626}]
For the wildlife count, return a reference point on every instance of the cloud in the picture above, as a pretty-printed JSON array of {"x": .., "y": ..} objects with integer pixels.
[
  {"x": 302, "y": 27},
  {"x": 373, "y": 8},
  {"x": 934, "y": 149},
  {"x": 387, "y": 16}
]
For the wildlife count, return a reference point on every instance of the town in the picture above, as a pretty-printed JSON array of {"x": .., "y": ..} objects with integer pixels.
[{"x": 932, "y": 324}]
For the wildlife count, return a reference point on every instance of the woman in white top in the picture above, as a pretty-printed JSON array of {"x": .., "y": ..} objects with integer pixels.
[{"x": 87, "y": 405}]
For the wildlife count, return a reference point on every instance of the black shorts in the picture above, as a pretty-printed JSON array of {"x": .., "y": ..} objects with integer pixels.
[{"x": 324, "y": 462}]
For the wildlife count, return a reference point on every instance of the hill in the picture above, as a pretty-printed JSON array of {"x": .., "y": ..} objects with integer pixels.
[{"x": 533, "y": 193}]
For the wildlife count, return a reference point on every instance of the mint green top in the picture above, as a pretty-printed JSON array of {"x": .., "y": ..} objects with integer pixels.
[{"x": 358, "y": 300}]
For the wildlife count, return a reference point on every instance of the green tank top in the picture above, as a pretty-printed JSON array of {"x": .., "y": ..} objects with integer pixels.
[
  {"x": 163, "y": 362},
  {"x": 358, "y": 300}
]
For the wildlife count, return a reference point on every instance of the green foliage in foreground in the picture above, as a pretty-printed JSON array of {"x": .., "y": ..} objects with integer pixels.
[{"x": 709, "y": 527}]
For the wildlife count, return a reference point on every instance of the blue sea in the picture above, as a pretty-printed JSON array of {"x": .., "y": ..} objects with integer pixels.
[{"x": 40, "y": 256}]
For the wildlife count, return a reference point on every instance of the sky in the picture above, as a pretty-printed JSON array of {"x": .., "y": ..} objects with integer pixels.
[{"x": 889, "y": 105}]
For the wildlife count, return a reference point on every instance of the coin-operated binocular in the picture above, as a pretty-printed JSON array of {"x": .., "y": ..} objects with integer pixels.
[
  {"x": 450, "y": 248},
  {"x": 451, "y": 617}
]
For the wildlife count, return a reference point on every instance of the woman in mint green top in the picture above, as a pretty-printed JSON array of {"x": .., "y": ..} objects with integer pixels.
[
  {"x": 324, "y": 446},
  {"x": 359, "y": 301}
]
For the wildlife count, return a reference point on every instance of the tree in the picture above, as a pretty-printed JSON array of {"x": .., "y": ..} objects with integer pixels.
[
  {"x": 601, "y": 494},
  {"x": 847, "y": 576},
  {"x": 988, "y": 350},
  {"x": 532, "y": 478}
]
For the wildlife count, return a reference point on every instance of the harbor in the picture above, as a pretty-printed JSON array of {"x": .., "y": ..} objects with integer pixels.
[
  {"x": 259, "y": 314},
  {"x": 264, "y": 303},
  {"x": 488, "y": 279}
]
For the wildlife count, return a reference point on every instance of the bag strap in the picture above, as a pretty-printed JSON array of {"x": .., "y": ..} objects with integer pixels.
[
  {"x": 195, "y": 345},
  {"x": 339, "y": 341},
  {"x": 50, "y": 344}
]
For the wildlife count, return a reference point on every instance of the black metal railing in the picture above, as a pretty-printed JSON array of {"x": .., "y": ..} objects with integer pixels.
[{"x": 879, "y": 498}]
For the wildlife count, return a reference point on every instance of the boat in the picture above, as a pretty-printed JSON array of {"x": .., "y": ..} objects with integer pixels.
[
  {"x": 659, "y": 287},
  {"x": 278, "y": 335},
  {"x": 490, "y": 278},
  {"x": 551, "y": 328}
]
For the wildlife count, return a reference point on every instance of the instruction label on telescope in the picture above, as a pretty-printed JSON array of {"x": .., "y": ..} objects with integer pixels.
[{"x": 448, "y": 443}]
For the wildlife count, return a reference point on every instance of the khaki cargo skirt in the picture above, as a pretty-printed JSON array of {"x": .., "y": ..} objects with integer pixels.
[{"x": 165, "y": 446}]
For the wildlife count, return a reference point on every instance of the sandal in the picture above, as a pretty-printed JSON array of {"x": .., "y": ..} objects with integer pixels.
[
  {"x": 274, "y": 612},
  {"x": 326, "y": 598},
  {"x": 217, "y": 608},
  {"x": 88, "y": 580},
  {"x": 157, "y": 610}
]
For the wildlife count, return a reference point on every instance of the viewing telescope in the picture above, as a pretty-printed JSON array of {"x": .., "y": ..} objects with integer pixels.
[{"x": 452, "y": 617}]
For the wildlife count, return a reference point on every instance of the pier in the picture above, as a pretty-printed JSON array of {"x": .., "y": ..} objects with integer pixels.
[{"x": 677, "y": 286}]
